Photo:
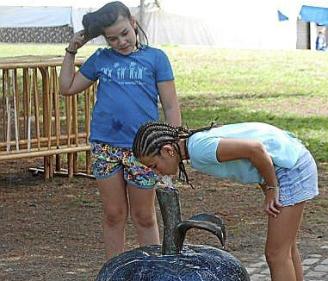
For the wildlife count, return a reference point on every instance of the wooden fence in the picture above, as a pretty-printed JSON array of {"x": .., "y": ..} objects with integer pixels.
[{"x": 36, "y": 121}]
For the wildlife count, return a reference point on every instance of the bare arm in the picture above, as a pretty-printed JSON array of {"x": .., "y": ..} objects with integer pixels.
[
  {"x": 169, "y": 101},
  {"x": 70, "y": 81},
  {"x": 255, "y": 152}
]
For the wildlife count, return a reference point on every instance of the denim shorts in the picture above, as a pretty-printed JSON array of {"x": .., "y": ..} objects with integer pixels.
[
  {"x": 299, "y": 183},
  {"x": 108, "y": 160}
]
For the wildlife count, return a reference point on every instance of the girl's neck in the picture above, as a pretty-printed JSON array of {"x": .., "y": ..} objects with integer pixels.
[{"x": 183, "y": 148}]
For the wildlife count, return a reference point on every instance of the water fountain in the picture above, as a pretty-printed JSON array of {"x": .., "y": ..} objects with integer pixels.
[{"x": 174, "y": 261}]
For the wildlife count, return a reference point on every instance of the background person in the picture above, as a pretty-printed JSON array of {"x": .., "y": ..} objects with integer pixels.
[{"x": 320, "y": 42}]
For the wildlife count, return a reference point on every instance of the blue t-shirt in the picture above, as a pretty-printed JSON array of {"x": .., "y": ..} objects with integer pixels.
[
  {"x": 283, "y": 148},
  {"x": 127, "y": 93}
]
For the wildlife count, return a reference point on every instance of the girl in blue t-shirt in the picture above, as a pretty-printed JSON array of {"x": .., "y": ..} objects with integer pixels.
[
  {"x": 131, "y": 77},
  {"x": 250, "y": 153}
]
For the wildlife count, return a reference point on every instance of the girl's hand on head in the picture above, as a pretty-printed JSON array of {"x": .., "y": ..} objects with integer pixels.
[
  {"x": 77, "y": 41},
  {"x": 271, "y": 203}
]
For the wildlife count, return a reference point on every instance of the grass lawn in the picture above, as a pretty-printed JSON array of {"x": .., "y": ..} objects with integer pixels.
[{"x": 285, "y": 88}]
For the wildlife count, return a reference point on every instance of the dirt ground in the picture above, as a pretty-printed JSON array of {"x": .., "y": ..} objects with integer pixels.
[{"x": 51, "y": 230}]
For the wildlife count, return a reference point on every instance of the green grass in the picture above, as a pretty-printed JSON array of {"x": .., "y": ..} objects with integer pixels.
[
  {"x": 10, "y": 50},
  {"x": 284, "y": 88}
]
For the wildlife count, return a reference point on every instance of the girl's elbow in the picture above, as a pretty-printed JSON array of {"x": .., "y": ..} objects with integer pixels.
[
  {"x": 64, "y": 92},
  {"x": 258, "y": 154},
  {"x": 67, "y": 93},
  {"x": 259, "y": 148}
]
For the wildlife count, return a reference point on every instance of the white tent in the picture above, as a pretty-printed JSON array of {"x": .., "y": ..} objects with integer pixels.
[{"x": 226, "y": 24}]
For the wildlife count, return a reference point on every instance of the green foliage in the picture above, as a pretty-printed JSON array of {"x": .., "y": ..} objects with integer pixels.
[{"x": 285, "y": 88}]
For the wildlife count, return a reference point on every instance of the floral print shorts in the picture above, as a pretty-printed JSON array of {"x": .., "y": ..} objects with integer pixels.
[{"x": 107, "y": 160}]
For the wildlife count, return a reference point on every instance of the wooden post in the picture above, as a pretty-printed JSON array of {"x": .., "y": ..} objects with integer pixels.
[
  {"x": 87, "y": 130},
  {"x": 49, "y": 121},
  {"x": 25, "y": 99},
  {"x": 3, "y": 115},
  {"x": 45, "y": 91},
  {"x": 36, "y": 107},
  {"x": 6, "y": 95},
  {"x": 29, "y": 110},
  {"x": 68, "y": 128},
  {"x": 75, "y": 131},
  {"x": 55, "y": 93},
  {"x": 16, "y": 107}
]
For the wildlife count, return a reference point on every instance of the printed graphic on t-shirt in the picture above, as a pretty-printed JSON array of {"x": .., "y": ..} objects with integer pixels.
[{"x": 124, "y": 74}]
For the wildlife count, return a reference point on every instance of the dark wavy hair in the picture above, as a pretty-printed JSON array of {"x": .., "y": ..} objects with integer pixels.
[{"x": 95, "y": 22}]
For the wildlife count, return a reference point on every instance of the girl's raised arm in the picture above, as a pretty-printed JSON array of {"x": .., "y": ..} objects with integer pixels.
[{"x": 70, "y": 81}]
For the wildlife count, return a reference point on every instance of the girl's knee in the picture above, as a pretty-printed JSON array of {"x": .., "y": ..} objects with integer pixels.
[
  {"x": 277, "y": 256},
  {"x": 144, "y": 219},
  {"x": 115, "y": 216}
]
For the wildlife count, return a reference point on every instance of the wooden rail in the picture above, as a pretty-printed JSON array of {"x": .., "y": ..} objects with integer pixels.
[{"x": 36, "y": 121}]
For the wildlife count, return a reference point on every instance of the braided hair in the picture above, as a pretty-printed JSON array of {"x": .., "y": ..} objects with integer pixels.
[{"x": 152, "y": 136}]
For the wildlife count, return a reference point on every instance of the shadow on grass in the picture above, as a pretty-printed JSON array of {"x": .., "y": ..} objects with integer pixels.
[{"x": 231, "y": 96}]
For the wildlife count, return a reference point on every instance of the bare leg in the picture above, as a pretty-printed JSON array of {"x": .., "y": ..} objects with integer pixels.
[
  {"x": 281, "y": 239},
  {"x": 143, "y": 214},
  {"x": 115, "y": 204},
  {"x": 297, "y": 261}
]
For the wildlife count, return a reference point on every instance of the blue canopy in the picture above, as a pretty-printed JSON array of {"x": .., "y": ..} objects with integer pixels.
[{"x": 314, "y": 14}]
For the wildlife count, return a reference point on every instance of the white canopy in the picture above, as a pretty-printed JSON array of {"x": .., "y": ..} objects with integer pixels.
[
  {"x": 34, "y": 16},
  {"x": 227, "y": 24}
]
